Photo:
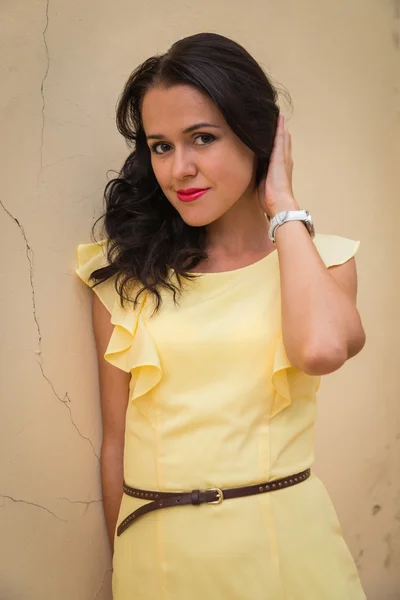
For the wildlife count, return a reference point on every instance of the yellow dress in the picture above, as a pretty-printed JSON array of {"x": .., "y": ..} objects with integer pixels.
[{"x": 215, "y": 402}]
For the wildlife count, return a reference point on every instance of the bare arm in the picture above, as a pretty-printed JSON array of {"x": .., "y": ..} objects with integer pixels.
[
  {"x": 320, "y": 322},
  {"x": 114, "y": 390},
  {"x": 321, "y": 326}
]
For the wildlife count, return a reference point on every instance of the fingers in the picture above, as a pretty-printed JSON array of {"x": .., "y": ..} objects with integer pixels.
[
  {"x": 280, "y": 133},
  {"x": 279, "y": 141},
  {"x": 282, "y": 150},
  {"x": 287, "y": 144}
]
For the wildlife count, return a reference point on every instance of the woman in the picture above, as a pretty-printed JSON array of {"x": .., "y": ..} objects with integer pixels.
[{"x": 213, "y": 325}]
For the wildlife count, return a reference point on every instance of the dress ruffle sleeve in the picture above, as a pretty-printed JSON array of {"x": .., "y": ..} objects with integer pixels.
[
  {"x": 131, "y": 347},
  {"x": 288, "y": 381},
  {"x": 280, "y": 379},
  {"x": 92, "y": 257},
  {"x": 334, "y": 249}
]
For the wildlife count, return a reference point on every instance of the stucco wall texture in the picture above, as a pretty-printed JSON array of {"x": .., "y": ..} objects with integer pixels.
[{"x": 63, "y": 65}]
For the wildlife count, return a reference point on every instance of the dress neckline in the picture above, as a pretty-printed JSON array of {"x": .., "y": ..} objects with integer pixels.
[
  {"x": 214, "y": 274},
  {"x": 244, "y": 269}
]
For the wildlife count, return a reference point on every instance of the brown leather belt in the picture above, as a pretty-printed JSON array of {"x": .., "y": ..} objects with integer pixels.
[{"x": 196, "y": 497}]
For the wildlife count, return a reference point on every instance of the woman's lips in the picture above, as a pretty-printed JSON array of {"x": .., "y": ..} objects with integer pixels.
[{"x": 191, "y": 196}]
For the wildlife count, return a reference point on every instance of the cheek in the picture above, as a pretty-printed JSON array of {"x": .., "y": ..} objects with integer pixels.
[
  {"x": 234, "y": 172},
  {"x": 162, "y": 174},
  {"x": 158, "y": 172}
]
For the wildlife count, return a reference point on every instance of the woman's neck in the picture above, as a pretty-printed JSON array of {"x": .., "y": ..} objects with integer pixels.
[
  {"x": 238, "y": 239},
  {"x": 243, "y": 229}
]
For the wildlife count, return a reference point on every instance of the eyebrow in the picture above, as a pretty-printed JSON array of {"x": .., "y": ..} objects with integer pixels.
[{"x": 160, "y": 136}]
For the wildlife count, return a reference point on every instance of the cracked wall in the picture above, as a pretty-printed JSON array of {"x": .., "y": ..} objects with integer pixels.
[{"x": 64, "y": 65}]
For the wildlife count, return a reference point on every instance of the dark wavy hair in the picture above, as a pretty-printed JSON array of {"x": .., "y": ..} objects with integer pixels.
[{"x": 146, "y": 236}]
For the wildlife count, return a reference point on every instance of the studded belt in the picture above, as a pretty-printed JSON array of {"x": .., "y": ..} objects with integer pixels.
[{"x": 159, "y": 500}]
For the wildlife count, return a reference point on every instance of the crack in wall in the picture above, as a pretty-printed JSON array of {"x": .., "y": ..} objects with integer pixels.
[
  {"x": 30, "y": 255},
  {"x": 16, "y": 500},
  {"x": 42, "y": 91},
  {"x": 66, "y": 400},
  {"x": 102, "y": 583},
  {"x": 80, "y": 501},
  {"x": 86, "y": 503}
]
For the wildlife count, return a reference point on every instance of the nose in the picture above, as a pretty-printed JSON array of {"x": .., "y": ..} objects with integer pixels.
[{"x": 183, "y": 165}]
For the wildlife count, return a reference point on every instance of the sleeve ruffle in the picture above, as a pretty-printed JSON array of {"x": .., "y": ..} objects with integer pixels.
[
  {"x": 131, "y": 347},
  {"x": 289, "y": 382},
  {"x": 92, "y": 257},
  {"x": 334, "y": 249},
  {"x": 280, "y": 379}
]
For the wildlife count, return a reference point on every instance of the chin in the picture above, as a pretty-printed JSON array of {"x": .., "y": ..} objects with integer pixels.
[{"x": 198, "y": 220}]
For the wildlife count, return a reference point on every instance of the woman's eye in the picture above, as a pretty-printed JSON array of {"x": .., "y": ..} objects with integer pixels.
[
  {"x": 155, "y": 147},
  {"x": 208, "y": 136},
  {"x": 161, "y": 147}
]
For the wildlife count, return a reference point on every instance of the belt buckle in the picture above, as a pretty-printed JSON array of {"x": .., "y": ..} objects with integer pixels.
[{"x": 220, "y": 495}]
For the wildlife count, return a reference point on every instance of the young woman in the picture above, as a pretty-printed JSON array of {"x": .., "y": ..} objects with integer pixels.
[{"x": 216, "y": 311}]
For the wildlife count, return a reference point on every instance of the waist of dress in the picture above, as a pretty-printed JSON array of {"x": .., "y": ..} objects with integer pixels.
[{"x": 159, "y": 500}]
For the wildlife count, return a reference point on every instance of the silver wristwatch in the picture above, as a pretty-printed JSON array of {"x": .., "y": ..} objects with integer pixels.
[{"x": 290, "y": 215}]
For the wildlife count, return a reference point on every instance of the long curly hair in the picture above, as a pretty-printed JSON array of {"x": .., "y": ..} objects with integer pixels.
[{"x": 147, "y": 239}]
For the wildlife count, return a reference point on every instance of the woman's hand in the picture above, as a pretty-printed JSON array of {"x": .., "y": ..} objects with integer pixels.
[{"x": 275, "y": 191}]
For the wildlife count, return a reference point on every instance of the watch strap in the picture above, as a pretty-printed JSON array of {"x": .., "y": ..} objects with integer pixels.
[{"x": 290, "y": 215}]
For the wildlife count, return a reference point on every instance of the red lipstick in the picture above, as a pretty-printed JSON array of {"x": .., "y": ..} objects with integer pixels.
[{"x": 190, "y": 194}]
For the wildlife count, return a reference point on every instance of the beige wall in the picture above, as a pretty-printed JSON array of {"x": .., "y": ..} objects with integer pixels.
[{"x": 63, "y": 66}]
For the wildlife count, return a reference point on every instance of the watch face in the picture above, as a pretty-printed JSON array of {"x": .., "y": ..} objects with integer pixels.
[
  {"x": 308, "y": 222},
  {"x": 310, "y": 227}
]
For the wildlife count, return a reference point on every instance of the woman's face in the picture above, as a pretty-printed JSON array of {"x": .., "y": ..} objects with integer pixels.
[{"x": 208, "y": 156}]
